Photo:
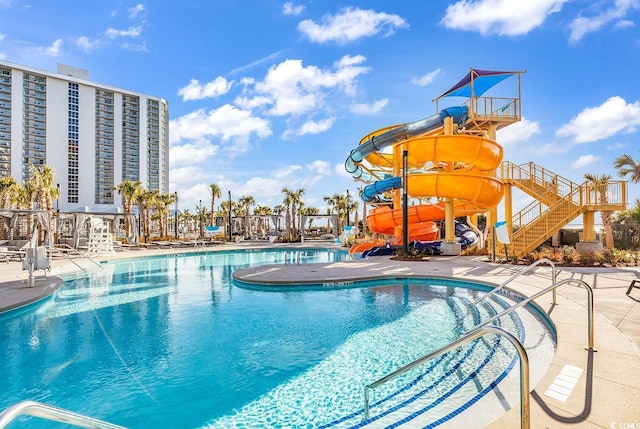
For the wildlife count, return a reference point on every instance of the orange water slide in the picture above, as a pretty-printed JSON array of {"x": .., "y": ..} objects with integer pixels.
[{"x": 460, "y": 167}]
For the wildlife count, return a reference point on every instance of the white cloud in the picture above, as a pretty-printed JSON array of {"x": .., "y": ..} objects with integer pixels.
[
  {"x": 54, "y": 50},
  {"x": 86, "y": 44},
  {"x": 624, "y": 23},
  {"x": 195, "y": 91},
  {"x": 285, "y": 171},
  {"x": 616, "y": 146},
  {"x": 309, "y": 182},
  {"x": 252, "y": 102},
  {"x": 503, "y": 17},
  {"x": 263, "y": 187},
  {"x": 293, "y": 89},
  {"x": 112, "y": 33},
  {"x": 261, "y": 62},
  {"x": 582, "y": 25},
  {"x": 136, "y": 10},
  {"x": 596, "y": 123},
  {"x": 584, "y": 161},
  {"x": 369, "y": 109},
  {"x": 226, "y": 123},
  {"x": 290, "y": 9},
  {"x": 316, "y": 127},
  {"x": 341, "y": 171},
  {"x": 351, "y": 24},
  {"x": 349, "y": 60},
  {"x": 2, "y": 36},
  {"x": 186, "y": 175},
  {"x": 426, "y": 79},
  {"x": 321, "y": 167},
  {"x": 518, "y": 132},
  {"x": 191, "y": 152}
]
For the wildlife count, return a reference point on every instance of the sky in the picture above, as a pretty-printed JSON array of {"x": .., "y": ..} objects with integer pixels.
[{"x": 265, "y": 94}]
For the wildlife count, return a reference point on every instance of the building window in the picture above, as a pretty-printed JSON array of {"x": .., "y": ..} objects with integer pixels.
[
  {"x": 104, "y": 166},
  {"x": 34, "y": 88},
  {"x": 73, "y": 145}
]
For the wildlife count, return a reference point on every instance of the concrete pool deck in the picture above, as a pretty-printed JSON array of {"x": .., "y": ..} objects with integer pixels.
[{"x": 607, "y": 393}]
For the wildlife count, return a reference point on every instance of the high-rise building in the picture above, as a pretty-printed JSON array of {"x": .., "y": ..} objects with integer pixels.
[{"x": 93, "y": 135}]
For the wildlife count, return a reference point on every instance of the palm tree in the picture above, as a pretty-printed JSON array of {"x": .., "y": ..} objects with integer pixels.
[
  {"x": 201, "y": 214},
  {"x": 331, "y": 207},
  {"x": 145, "y": 200},
  {"x": 600, "y": 186},
  {"x": 296, "y": 205},
  {"x": 42, "y": 180},
  {"x": 129, "y": 190},
  {"x": 24, "y": 194},
  {"x": 46, "y": 190},
  {"x": 627, "y": 166},
  {"x": 338, "y": 204},
  {"x": 7, "y": 190},
  {"x": 184, "y": 218},
  {"x": 215, "y": 192},
  {"x": 287, "y": 213},
  {"x": 224, "y": 213},
  {"x": 631, "y": 215},
  {"x": 309, "y": 211},
  {"x": 278, "y": 210},
  {"x": 261, "y": 212},
  {"x": 364, "y": 214},
  {"x": 161, "y": 204},
  {"x": 246, "y": 202}
]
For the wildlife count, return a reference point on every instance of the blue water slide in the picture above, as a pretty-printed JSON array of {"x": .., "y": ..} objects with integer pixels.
[
  {"x": 399, "y": 133},
  {"x": 371, "y": 192}
]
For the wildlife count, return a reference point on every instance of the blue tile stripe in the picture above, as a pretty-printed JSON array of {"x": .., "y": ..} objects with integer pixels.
[
  {"x": 496, "y": 346},
  {"x": 459, "y": 311}
]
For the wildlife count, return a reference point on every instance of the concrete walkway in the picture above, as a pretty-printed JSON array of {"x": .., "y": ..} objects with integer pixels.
[{"x": 607, "y": 394}]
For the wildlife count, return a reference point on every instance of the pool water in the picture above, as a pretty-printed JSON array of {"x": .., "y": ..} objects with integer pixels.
[{"x": 172, "y": 342}]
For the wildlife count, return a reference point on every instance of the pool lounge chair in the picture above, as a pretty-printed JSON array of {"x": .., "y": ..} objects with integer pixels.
[{"x": 8, "y": 253}]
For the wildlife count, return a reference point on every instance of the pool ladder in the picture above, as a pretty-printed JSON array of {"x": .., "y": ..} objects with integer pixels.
[
  {"x": 49, "y": 412},
  {"x": 482, "y": 330}
]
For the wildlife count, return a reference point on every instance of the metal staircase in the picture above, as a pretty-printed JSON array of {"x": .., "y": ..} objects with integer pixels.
[{"x": 558, "y": 202}]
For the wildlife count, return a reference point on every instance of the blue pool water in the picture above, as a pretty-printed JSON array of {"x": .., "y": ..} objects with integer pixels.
[{"x": 172, "y": 342}]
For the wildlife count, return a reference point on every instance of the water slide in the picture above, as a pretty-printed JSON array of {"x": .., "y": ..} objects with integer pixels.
[{"x": 458, "y": 166}]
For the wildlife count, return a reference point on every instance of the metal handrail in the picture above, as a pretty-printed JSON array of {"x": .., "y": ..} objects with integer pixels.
[
  {"x": 525, "y": 408},
  {"x": 480, "y": 330},
  {"x": 49, "y": 412},
  {"x": 521, "y": 272},
  {"x": 57, "y": 250},
  {"x": 542, "y": 292}
]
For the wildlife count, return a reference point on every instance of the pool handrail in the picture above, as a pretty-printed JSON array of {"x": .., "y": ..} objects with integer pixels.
[
  {"x": 49, "y": 412},
  {"x": 64, "y": 250},
  {"x": 553, "y": 287},
  {"x": 521, "y": 272},
  {"x": 525, "y": 407},
  {"x": 480, "y": 330}
]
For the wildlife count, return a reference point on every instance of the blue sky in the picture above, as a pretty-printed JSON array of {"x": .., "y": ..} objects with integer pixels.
[{"x": 266, "y": 94}]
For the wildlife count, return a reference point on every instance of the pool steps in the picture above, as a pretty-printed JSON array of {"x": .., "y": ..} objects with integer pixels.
[{"x": 421, "y": 399}]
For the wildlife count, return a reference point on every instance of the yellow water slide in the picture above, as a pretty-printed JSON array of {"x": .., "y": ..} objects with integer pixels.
[{"x": 441, "y": 166}]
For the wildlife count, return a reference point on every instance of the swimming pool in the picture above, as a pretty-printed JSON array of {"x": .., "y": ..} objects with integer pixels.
[{"x": 172, "y": 342}]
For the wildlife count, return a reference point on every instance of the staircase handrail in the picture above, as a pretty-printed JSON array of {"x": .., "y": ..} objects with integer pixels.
[{"x": 538, "y": 175}]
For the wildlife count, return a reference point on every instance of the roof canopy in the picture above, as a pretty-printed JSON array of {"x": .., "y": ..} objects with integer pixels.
[{"x": 477, "y": 82}]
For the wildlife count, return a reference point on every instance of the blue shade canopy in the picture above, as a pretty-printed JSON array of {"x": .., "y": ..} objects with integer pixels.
[{"x": 476, "y": 83}]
